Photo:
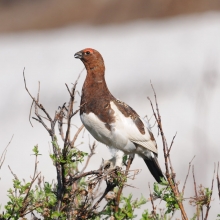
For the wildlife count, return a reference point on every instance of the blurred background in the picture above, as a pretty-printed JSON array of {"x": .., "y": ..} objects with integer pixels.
[{"x": 173, "y": 44}]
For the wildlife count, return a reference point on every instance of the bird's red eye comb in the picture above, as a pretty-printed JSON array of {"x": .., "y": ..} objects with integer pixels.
[{"x": 88, "y": 51}]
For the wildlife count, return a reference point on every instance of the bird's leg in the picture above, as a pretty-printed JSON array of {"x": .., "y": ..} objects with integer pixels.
[
  {"x": 108, "y": 164},
  {"x": 130, "y": 160},
  {"x": 117, "y": 161},
  {"x": 119, "y": 158}
]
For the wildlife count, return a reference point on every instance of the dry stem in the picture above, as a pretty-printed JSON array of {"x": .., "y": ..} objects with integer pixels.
[
  {"x": 130, "y": 159},
  {"x": 152, "y": 202},
  {"x": 184, "y": 185},
  {"x": 208, "y": 204},
  {"x": 168, "y": 165},
  {"x": 196, "y": 194},
  {"x": 218, "y": 181},
  {"x": 2, "y": 158}
]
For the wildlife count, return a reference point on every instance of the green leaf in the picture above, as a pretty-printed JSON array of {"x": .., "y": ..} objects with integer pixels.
[{"x": 36, "y": 151}]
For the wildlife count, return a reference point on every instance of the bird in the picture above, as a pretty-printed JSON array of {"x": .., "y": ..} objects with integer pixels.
[{"x": 111, "y": 121}]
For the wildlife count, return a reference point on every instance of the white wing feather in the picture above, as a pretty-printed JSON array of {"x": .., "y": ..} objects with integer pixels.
[{"x": 129, "y": 129}]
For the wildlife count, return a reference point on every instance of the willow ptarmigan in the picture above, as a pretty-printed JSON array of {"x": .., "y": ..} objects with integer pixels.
[{"x": 111, "y": 121}]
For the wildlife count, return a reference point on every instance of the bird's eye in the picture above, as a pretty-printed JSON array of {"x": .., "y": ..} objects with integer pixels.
[{"x": 87, "y": 52}]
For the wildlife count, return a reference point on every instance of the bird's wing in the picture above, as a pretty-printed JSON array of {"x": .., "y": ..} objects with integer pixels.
[
  {"x": 136, "y": 129},
  {"x": 145, "y": 140}
]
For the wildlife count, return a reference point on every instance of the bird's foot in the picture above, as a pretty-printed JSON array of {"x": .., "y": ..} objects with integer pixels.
[{"x": 110, "y": 165}]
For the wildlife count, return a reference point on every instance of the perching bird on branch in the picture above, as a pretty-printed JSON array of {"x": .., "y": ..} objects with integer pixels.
[{"x": 112, "y": 122}]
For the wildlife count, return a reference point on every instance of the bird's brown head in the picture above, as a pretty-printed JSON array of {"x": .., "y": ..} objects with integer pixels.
[{"x": 92, "y": 59}]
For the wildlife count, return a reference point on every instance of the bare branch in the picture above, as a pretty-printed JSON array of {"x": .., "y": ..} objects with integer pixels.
[
  {"x": 42, "y": 122},
  {"x": 109, "y": 188},
  {"x": 30, "y": 113},
  {"x": 40, "y": 106},
  {"x": 70, "y": 93},
  {"x": 76, "y": 177},
  {"x": 184, "y": 185},
  {"x": 168, "y": 153},
  {"x": 59, "y": 170},
  {"x": 38, "y": 94},
  {"x": 74, "y": 113},
  {"x": 69, "y": 113},
  {"x": 218, "y": 181},
  {"x": 2, "y": 158},
  {"x": 152, "y": 202},
  {"x": 60, "y": 116},
  {"x": 15, "y": 176},
  {"x": 130, "y": 159},
  {"x": 76, "y": 136},
  {"x": 170, "y": 175},
  {"x": 33, "y": 180},
  {"x": 92, "y": 152},
  {"x": 208, "y": 204},
  {"x": 196, "y": 194},
  {"x": 31, "y": 210}
]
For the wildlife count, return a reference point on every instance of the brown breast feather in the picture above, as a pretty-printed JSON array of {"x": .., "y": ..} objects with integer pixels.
[{"x": 96, "y": 99}]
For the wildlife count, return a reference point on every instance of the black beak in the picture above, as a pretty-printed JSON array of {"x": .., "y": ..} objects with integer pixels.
[{"x": 78, "y": 55}]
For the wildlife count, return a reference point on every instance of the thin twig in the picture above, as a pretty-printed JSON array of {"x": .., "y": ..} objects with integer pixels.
[
  {"x": 2, "y": 158},
  {"x": 51, "y": 132},
  {"x": 168, "y": 164},
  {"x": 35, "y": 101},
  {"x": 30, "y": 113},
  {"x": 130, "y": 159},
  {"x": 67, "y": 140},
  {"x": 168, "y": 153},
  {"x": 74, "y": 113},
  {"x": 69, "y": 113},
  {"x": 80, "y": 74},
  {"x": 109, "y": 188},
  {"x": 31, "y": 210},
  {"x": 59, "y": 116},
  {"x": 26, "y": 197},
  {"x": 75, "y": 178},
  {"x": 68, "y": 90},
  {"x": 76, "y": 136},
  {"x": 92, "y": 152},
  {"x": 33, "y": 180},
  {"x": 15, "y": 176},
  {"x": 208, "y": 204},
  {"x": 196, "y": 194},
  {"x": 218, "y": 181},
  {"x": 38, "y": 94},
  {"x": 184, "y": 185},
  {"x": 96, "y": 193},
  {"x": 152, "y": 202},
  {"x": 42, "y": 122}
]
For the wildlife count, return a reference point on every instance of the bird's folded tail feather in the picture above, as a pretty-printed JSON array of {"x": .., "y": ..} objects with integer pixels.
[{"x": 154, "y": 168}]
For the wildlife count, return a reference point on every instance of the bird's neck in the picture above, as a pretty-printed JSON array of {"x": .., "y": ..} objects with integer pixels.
[
  {"x": 94, "y": 86},
  {"x": 95, "y": 75}
]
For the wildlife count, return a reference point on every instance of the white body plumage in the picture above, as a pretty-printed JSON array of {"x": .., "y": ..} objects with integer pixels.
[{"x": 123, "y": 135}]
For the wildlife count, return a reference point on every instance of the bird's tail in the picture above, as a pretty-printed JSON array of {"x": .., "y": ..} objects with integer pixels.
[{"x": 154, "y": 168}]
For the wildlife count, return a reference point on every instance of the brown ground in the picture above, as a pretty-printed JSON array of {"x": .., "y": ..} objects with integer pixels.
[{"x": 19, "y": 15}]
